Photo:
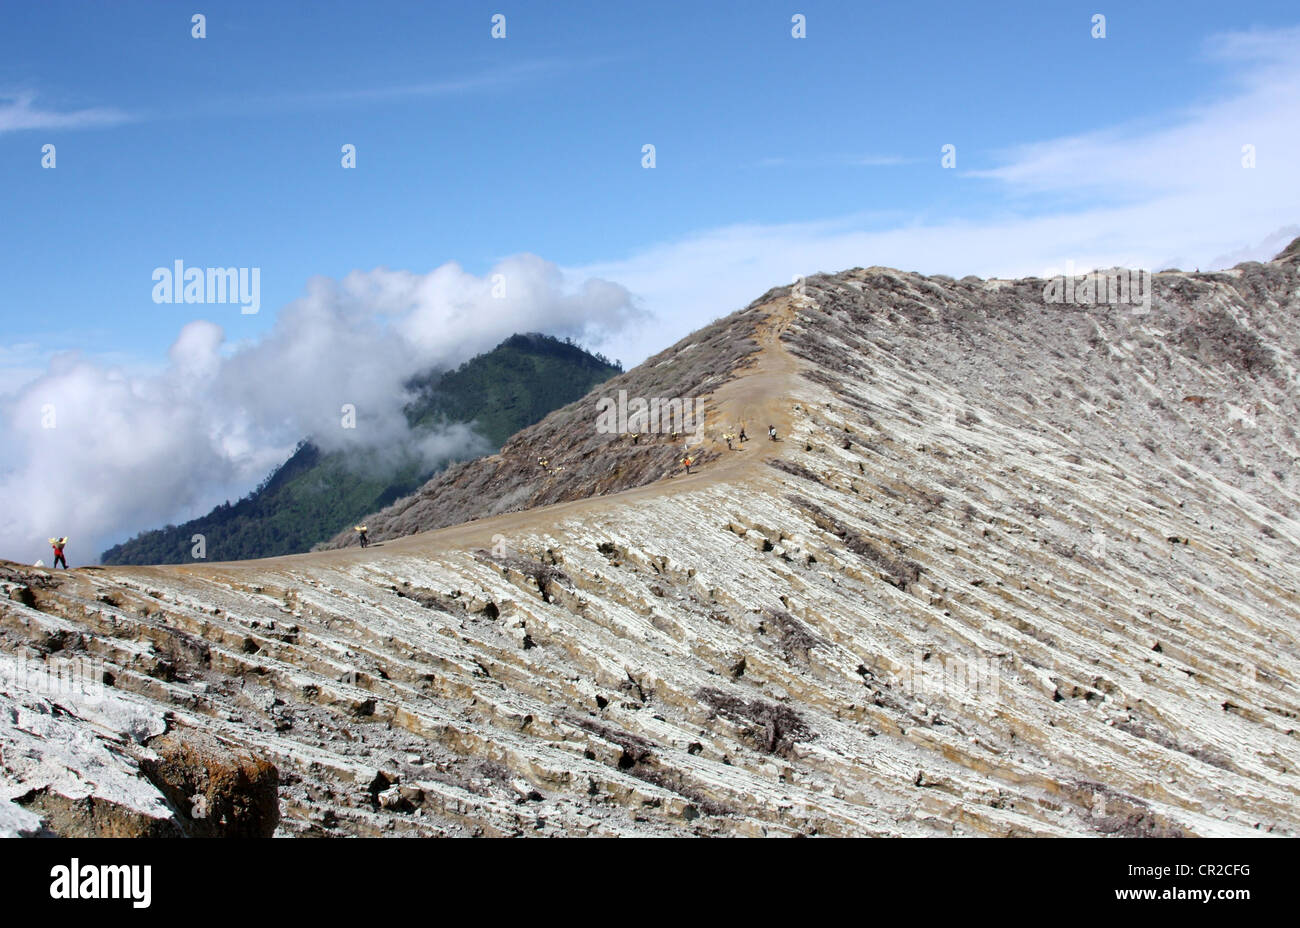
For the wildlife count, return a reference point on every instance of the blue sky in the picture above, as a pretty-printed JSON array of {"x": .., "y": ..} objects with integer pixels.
[
  {"x": 229, "y": 152},
  {"x": 775, "y": 156}
]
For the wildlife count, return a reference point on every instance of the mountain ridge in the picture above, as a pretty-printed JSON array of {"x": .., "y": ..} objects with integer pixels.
[
  {"x": 1013, "y": 569},
  {"x": 315, "y": 493}
]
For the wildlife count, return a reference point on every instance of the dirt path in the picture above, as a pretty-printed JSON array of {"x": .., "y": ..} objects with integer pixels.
[{"x": 758, "y": 396}]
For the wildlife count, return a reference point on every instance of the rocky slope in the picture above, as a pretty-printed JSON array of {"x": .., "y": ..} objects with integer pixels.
[
  {"x": 579, "y": 460},
  {"x": 1014, "y": 569}
]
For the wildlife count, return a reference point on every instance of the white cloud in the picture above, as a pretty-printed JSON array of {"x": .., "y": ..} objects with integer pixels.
[
  {"x": 130, "y": 451},
  {"x": 1267, "y": 248},
  {"x": 1189, "y": 151},
  {"x": 18, "y": 111},
  {"x": 1171, "y": 192},
  {"x": 496, "y": 78}
]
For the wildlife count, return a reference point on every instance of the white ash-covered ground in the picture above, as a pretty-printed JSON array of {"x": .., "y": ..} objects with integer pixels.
[{"x": 1013, "y": 569}]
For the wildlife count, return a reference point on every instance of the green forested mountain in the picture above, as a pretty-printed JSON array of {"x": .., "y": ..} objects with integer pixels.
[{"x": 314, "y": 494}]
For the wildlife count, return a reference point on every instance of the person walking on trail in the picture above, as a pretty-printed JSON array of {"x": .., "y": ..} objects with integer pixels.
[
  {"x": 362, "y": 536},
  {"x": 727, "y": 437},
  {"x": 57, "y": 544},
  {"x": 743, "y": 436},
  {"x": 771, "y": 432},
  {"x": 686, "y": 462}
]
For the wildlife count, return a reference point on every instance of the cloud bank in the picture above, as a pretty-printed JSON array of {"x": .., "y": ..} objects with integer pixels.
[{"x": 98, "y": 453}]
